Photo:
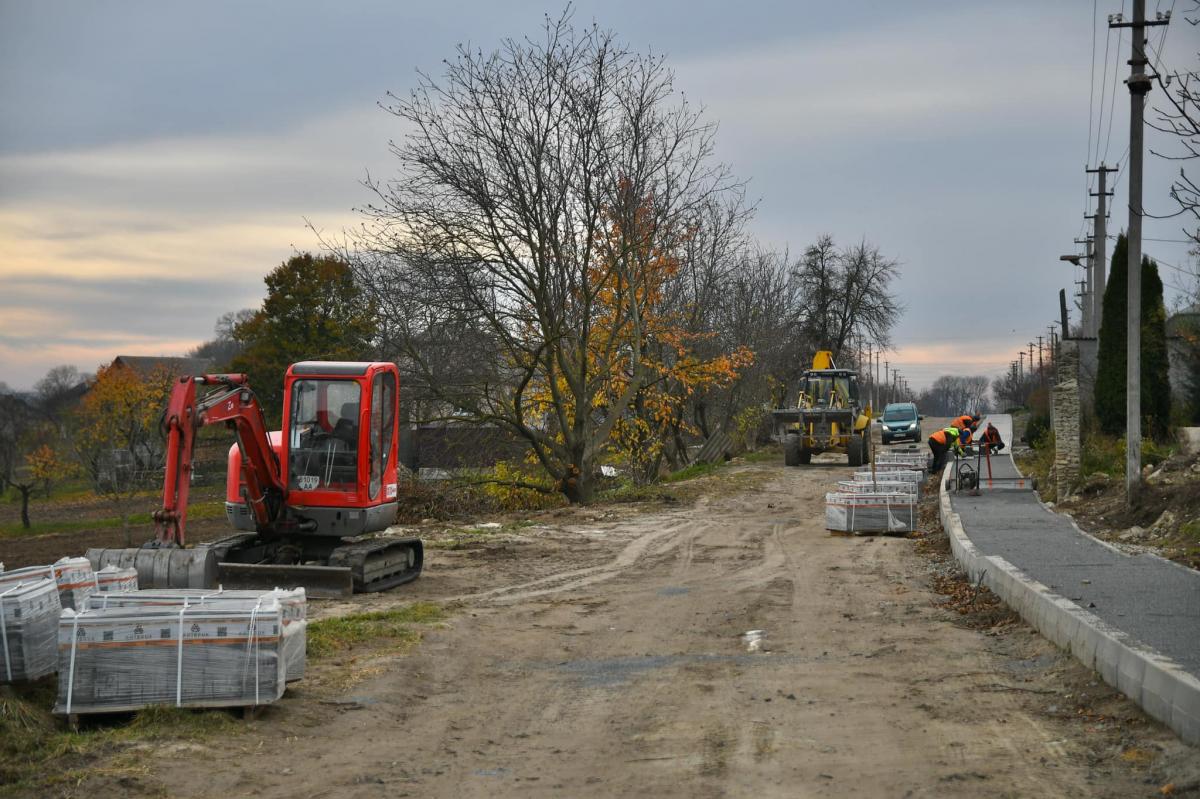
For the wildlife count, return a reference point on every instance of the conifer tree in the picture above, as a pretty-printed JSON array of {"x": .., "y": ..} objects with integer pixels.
[{"x": 1110, "y": 373}]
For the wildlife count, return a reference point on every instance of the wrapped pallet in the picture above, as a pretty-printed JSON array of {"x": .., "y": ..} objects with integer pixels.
[
  {"x": 114, "y": 578},
  {"x": 73, "y": 576},
  {"x": 896, "y": 475},
  {"x": 907, "y": 459},
  {"x": 870, "y": 513},
  {"x": 128, "y": 658},
  {"x": 293, "y": 604},
  {"x": 28, "y": 629},
  {"x": 880, "y": 486}
]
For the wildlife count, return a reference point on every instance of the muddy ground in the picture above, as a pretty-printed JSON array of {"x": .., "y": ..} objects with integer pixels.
[{"x": 603, "y": 652}]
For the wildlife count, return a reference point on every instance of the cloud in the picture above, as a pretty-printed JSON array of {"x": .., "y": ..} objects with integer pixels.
[{"x": 924, "y": 77}]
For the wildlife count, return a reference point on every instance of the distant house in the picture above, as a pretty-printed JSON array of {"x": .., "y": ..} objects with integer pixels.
[
  {"x": 147, "y": 365},
  {"x": 1183, "y": 337}
]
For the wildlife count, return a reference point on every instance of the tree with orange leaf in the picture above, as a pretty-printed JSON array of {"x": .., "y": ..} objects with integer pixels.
[
  {"x": 115, "y": 433},
  {"x": 516, "y": 258}
]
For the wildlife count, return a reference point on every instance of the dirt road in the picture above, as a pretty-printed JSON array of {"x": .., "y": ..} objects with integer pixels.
[{"x": 609, "y": 656}]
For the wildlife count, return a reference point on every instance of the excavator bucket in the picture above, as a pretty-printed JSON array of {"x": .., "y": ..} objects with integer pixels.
[{"x": 317, "y": 581}]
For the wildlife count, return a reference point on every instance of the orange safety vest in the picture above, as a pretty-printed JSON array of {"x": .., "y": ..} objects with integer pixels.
[{"x": 964, "y": 424}]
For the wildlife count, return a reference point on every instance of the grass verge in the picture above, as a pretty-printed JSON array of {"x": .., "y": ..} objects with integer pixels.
[
  {"x": 393, "y": 627},
  {"x": 40, "y": 757},
  {"x": 197, "y": 510}
]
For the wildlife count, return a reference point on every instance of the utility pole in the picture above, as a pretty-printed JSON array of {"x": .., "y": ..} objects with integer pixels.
[
  {"x": 1021, "y": 365},
  {"x": 1139, "y": 86},
  {"x": 1100, "y": 244},
  {"x": 871, "y": 354},
  {"x": 885, "y": 381},
  {"x": 1031, "y": 360},
  {"x": 1053, "y": 346},
  {"x": 1089, "y": 267}
]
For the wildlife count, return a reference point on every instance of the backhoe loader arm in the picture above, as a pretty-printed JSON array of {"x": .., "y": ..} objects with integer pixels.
[{"x": 230, "y": 401}]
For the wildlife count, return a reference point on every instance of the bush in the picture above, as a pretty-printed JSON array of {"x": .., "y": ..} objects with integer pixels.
[
  {"x": 502, "y": 486},
  {"x": 1106, "y": 454},
  {"x": 1038, "y": 433}
]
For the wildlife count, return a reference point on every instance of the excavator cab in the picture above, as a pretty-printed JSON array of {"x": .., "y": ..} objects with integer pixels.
[{"x": 338, "y": 457}]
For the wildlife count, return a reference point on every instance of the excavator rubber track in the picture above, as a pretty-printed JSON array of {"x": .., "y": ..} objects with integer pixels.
[
  {"x": 373, "y": 564},
  {"x": 381, "y": 563}
]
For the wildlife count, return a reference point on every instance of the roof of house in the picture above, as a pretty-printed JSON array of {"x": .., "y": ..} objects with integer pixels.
[{"x": 147, "y": 365}]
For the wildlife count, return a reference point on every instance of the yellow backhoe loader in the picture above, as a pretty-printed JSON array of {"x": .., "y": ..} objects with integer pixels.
[{"x": 828, "y": 416}]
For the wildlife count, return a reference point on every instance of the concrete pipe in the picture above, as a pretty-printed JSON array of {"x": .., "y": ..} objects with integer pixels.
[{"x": 162, "y": 568}]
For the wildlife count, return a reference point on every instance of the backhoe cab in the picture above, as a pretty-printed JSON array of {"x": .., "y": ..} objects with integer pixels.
[{"x": 828, "y": 417}]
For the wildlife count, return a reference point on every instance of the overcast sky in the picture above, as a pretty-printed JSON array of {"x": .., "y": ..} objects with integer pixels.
[{"x": 157, "y": 159}]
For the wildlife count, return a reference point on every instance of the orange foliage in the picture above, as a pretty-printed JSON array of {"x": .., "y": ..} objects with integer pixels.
[{"x": 653, "y": 346}]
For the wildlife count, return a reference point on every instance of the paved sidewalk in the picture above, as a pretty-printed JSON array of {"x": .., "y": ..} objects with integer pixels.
[{"x": 1153, "y": 601}]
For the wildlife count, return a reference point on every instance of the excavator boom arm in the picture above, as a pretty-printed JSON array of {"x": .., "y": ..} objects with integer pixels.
[{"x": 231, "y": 401}]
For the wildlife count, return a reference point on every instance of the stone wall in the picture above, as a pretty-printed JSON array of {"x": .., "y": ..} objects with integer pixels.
[{"x": 1066, "y": 420}]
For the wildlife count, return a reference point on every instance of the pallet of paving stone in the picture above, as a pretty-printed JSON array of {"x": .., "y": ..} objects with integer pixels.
[
  {"x": 880, "y": 486},
  {"x": 73, "y": 576},
  {"x": 870, "y": 513},
  {"x": 115, "y": 578},
  {"x": 899, "y": 475},
  {"x": 120, "y": 659},
  {"x": 293, "y": 604},
  {"x": 28, "y": 629}
]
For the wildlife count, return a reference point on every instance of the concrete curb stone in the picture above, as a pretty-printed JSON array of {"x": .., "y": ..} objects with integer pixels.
[{"x": 1157, "y": 683}]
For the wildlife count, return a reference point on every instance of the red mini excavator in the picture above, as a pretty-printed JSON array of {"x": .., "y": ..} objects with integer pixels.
[{"x": 308, "y": 497}]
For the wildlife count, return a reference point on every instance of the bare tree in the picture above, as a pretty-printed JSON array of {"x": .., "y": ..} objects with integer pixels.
[
  {"x": 1180, "y": 117},
  {"x": 58, "y": 391},
  {"x": 951, "y": 395},
  {"x": 223, "y": 347},
  {"x": 848, "y": 293},
  {"x": 538, "y": 184}
]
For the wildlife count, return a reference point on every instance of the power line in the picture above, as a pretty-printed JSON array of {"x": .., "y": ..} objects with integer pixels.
[
  {"x": 1092, "y": 94},
  {"x": 1103, "y": 89},
  {"x": 1162, "y": 40},
  {"x": 1113, "y": 104}
]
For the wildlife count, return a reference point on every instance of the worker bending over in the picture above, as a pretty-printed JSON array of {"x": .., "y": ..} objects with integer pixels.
[
  {"x": 966, "y": 424},
  {"x": 940, "y": 444}
]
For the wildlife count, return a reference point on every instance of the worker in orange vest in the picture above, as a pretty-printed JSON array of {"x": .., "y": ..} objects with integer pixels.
[
  {"x": 967, "y": 425},
  {"x": 940, "y": 444}
]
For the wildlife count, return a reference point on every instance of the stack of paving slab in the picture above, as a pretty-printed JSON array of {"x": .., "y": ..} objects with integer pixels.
[
  {"x": 899, "y": 466},
  {"x": 29, "y": 610},
  {"x": 212, "y": 654},
  {"x": 916, "y": 478},
  {"x": 875, "y": 512},
  {"x": 880, "y": 486},
  {"x": 907, "y": 459},
  {"x": 73, "y": 577},
  {"x": 293, "y": 604},
  {"x": 114, "y": 578}
]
